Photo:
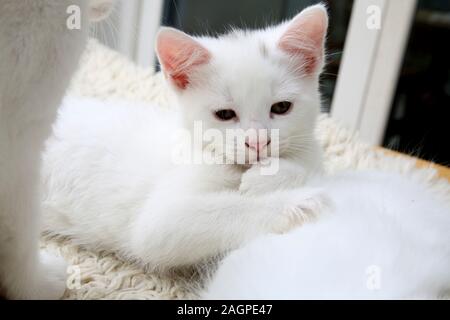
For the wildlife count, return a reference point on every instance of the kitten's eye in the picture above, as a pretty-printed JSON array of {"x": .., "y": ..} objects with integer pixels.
[
  {"x": 281, "y": 107},
  {"x": 225, "y": 114}
]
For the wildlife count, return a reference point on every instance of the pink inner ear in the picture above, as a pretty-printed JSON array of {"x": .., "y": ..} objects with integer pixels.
[
  {"x": 179, "y": 54},
  {"x": 305, "y": 36}
]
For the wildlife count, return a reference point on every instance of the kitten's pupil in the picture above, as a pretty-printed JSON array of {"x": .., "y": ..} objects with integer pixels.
[
  {"x": 225, "y": 114},
  {"x": 281, "y": 107}
]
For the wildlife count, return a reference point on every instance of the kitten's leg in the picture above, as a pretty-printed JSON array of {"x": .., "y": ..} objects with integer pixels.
[
  {"x": 275, "y": 173},
  {"x": 278, "y": 174},
  {"x": 176, "y": 229},
  {"x": 24, "y": 272},
  {"x": 38, "y": 56}
]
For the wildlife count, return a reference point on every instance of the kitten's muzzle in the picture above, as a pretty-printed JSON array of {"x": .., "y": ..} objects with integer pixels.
[{"x": 258, "y": 146}]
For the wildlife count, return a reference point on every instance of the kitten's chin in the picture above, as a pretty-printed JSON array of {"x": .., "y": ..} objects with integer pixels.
[
  {"x": 251, "y": 162},
  {"x": 248, "y": 161}
]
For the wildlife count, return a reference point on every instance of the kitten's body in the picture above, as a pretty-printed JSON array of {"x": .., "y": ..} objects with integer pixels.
[
  {"x": 38, "y": 55},
  {"x": 109, "y": 177},
  {"x": 387, "y": 237},
  {"x": 110, "y": 183}
]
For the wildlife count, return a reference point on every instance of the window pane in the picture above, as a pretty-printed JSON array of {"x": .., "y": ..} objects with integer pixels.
[{"x": 419, "y": 118}]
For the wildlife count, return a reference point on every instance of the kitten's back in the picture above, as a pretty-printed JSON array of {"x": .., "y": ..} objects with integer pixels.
[
  {"x": 387, "y": 237},
  {"x": 103, "y": 156}
]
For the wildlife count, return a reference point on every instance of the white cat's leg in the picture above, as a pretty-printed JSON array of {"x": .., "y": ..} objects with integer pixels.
[
  {"x": 277, "y": 174},
  {"x": 38, "y": 276},
  {"x": 38, "y": 53},
  {"x": 24, "y": 272},
  {"x": 176, "y": 229},
  {"x": 285, "y": 175},
  {"x": 40, "y": 44},
  {"x": 293, "y": 170}
]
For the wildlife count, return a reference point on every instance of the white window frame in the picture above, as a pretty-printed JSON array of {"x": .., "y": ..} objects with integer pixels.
[
  {"x": 136, "y": 24},
  {"x": 149, "y": 21},
  {"x": 370, "y": 67}
]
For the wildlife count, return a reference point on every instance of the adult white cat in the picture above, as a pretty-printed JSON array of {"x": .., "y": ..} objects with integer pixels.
[
  {"x": 387, "y": 237},
  {"x": 109, "y": 176},
  {"x": 38, "y": 55}
]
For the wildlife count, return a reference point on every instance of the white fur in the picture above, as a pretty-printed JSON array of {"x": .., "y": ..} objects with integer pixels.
[
  {"x": 38, "y": 56},
  {"x": 110, "y": 182},
  {"x": 380, "y": 222}
]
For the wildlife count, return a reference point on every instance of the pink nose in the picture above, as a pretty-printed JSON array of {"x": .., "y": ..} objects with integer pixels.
[{"x": 257, "y": 145}]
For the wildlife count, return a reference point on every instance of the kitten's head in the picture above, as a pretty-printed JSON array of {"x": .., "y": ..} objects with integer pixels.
[{"x": 261, "y": 79}]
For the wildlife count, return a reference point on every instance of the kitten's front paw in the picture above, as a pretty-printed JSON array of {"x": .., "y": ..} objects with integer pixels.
[
  {"x": 300, "y": 207},
  {"x": 275, "y": 174},
  {"x": 254, "y": 183}
]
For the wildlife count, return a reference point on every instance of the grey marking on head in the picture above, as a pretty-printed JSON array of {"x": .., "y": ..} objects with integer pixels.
[
  {"x": 233, "y": 33},
  {"x": 263, "y": 49}
]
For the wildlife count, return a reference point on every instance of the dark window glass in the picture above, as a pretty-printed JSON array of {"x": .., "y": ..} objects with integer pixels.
[{"x": 420, "y": 114}]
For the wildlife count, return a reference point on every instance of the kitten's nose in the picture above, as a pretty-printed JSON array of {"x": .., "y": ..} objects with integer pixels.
[{"x": 257, "y": 144}]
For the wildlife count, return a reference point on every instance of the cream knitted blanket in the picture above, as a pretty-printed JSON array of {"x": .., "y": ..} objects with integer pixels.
[{"x": 104, "y": 73}]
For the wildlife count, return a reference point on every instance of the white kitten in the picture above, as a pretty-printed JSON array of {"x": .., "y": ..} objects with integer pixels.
[
  {"x": 38, "y": 56},
  {"x": 109, "y": 176},
  {"x": 387, "y": 237}
]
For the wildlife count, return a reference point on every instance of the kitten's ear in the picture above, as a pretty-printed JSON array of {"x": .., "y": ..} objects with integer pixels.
[
  {"x": 304, "y": 38},
  {"x": 179, "y": 55}
]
